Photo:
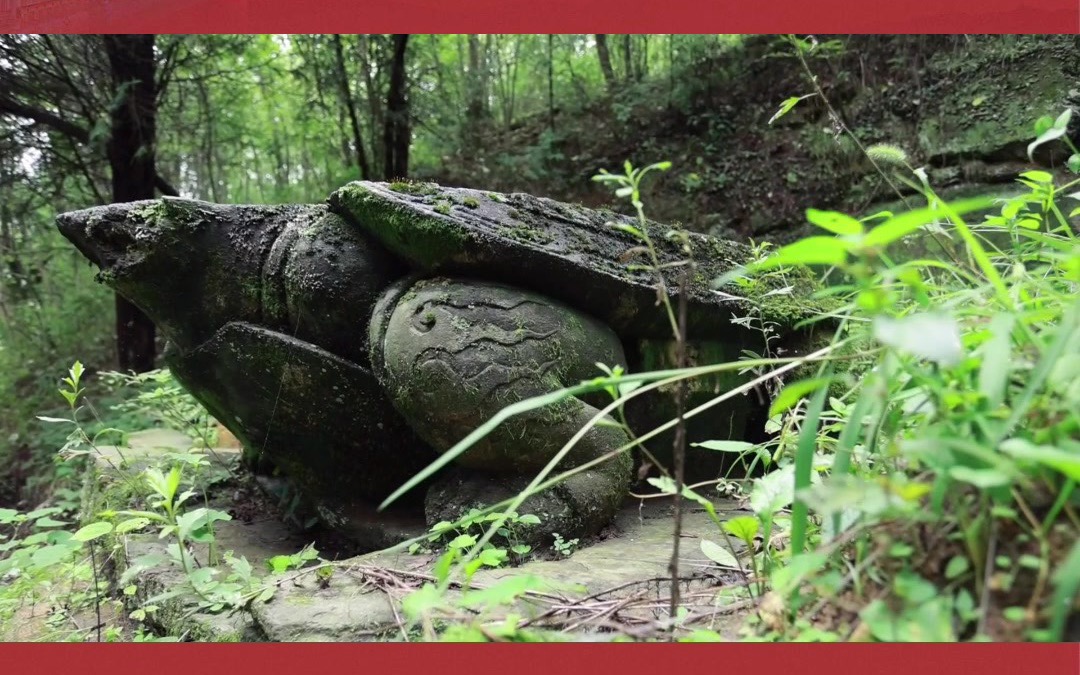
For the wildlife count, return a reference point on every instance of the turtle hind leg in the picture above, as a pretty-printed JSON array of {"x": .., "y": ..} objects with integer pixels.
[{"x": 453, "y": 353}]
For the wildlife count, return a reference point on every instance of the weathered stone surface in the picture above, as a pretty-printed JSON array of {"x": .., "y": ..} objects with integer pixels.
[
  {"x": 267, "y": 312},
  {"x": 362, "y": 599},
  {"x": 322, "y": 420},
  {"x": 567, "y": 252}
]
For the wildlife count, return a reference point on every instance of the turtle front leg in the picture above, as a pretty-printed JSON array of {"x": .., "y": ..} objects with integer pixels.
[{"x": 453, "y": 352}]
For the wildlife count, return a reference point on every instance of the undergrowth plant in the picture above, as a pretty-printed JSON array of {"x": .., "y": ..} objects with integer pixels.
[{"x": 40, "y": 553}]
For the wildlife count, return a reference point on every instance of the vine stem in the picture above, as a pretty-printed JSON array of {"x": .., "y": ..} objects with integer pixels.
[{"x": 679, "y": 448}]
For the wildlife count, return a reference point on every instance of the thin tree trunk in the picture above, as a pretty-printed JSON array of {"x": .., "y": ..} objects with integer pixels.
[
  {"x": 513, "y": 81},
  {"x": 643, "y": 64},
  {"x": 376, "y": 115},
  {"x": 627, "y": 58},
  {"x": 397, "y": 134},
  {"x": 350, "y": 108},
  {"x": 130, "y": 150},
  {"x": 605, "y": 61},
  {"x": 208, "y": 139},
  {"x": 551, "y": 81},
  {"x": 476, "y": 108}
]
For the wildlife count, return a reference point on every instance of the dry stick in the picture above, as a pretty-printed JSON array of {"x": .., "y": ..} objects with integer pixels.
[{"x": 679, "y": 450}]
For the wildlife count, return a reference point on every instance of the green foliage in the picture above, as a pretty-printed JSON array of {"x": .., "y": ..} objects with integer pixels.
[
  {"x": 564, "y": 547},
  {"x": 508, "y": 531},
  {"x": 932, "y": 438},
  {"x": 154, "y": 398},
  {"x": 38, "y": 549}
]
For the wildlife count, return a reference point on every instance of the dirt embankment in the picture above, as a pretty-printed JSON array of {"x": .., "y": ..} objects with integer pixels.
[{"x": 961, "y": 106}]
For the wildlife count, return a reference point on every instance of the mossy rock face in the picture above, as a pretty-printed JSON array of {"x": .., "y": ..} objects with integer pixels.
[
  {"x": 351, "y": 342},
  {"x": 567, "y": 252},
  {"x": 323, "y": 421}
]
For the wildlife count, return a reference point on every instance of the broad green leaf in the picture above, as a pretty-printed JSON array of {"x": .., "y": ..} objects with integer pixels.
[
  {"x": 787, "y": 105},
  {"x": 725, "y": 446},
  {"x": 132, "y": 524},
  {"x": 418, "y": 603},
  {"x": 818, "y": 250},
  {"x": 93, "y": 531},
  {"x": 743, "y": 527},
  {"x": 492, "y": 557},
  {"x": 1065, "y": 462},
  {"x": 904, "y": 224},
  {"x": 773, "y": 491},
  {"x": 505, "y": 592},
  {"x": 155, "y": 479},
  {"x": 47, "y": 556},
  {"x": 38, "y": 513},
  {"x": 1073, "y": 162},
  {"x": 931, "y": 336},
  {"x": 172, "y": 481},
  {"x": 195, "y": 523},
  {"x": 462, "y": 541},
  {"x": 788, "y": 578},
  {"x": 835, "y": 222},
  {"x": 719, "y": 554},
  {"x": 980, "y": 478},
  {"x": 1036, "y": 176},
  {"x": 50, "y": 522},
  {"x": 957, "y": 566},
  {"x": 994, "y": 369},
  {"x": 1056, "y": 131},
  {"x": 794, "y": 392},
  {"x": 1043, "y": 124}
]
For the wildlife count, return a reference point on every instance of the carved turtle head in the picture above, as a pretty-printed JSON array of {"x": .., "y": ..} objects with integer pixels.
[
  {"x": 194, "y": 266},
  {"x": 161, "y": 255}
]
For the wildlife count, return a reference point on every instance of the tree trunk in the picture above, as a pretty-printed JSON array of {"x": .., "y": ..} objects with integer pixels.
[
  {"x": 605, "y": 61},
  {"x": 368, "y": 48},
  {"x": 130, "y": 150},
  {"x": 350, "y": 107},
  {"x": 476, "y": 107},
  {"x": 397, "y": 134},
  {"x": 551, "y": 81},
  {"x": 628, "y": 58}
]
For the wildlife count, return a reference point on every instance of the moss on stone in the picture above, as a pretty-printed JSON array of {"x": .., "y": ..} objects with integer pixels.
[
  {"x": 414, "y": 187},
  {"x": 425, "y": 239}
]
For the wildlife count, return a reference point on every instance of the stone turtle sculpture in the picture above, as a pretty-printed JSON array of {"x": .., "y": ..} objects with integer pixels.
[{"x": 351, "y": 342}]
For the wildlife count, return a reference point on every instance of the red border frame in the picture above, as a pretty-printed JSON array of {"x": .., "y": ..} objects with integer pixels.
[
  {"x": 545, "y": 659},
  {"x": 540, "y": 16},
  {"x": 495, "y": 16}
]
